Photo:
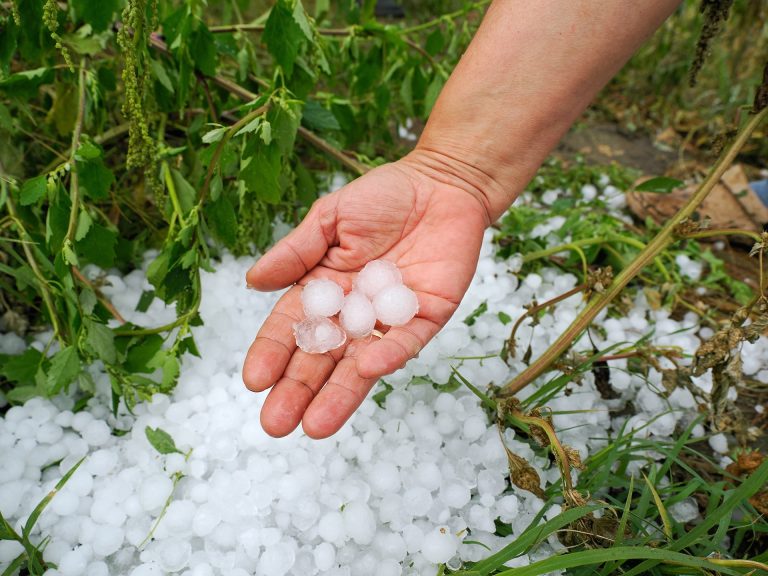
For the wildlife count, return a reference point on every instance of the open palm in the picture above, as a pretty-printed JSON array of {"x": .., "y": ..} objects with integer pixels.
[{"x": 432, "y": 230}]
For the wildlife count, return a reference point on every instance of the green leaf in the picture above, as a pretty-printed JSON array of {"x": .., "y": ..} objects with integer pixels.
[
  {"x": 161, "y": 441},
  {"x": 300, "y": 17},
  {"x": 33, "y": 190},
  {"x": 96, "y": 13},
  {"x": 435, "y": 42},
  {"x": 95, "y": 179},
  {"x": 24, "y": 85},
  {"x": 98, "y": 246},
  {"x": 660, "y": 185},
  {"x": 202, "y": 50},
  {"x": 145, "y": 300},
  {"x": 88, "y": 300},
  {"x": 140, "y": 356},
  {"x": 6, "y": 530},
  {"x": 162, "y": 76},
  {"x": 316, "y": 117},
  {"x": 476, "y": 313},
  {"x": 283, "y": 35},
  {"x": 214, "y": 135},
  {"x": 171, "y": 369},
  {"x": 504, "y": 317},
  {"x": 22, "y": 394},
  {"x": 65, "y": 366},
  {"x": 433, "y": 91},
  {"x": 100, "y": 340},
  {"x": 223, "y": 220},
  {"x": 84, "y": 222},
  {"x": 184, "y": 190},
  {"x": 70, "y": 256},
  {"x": 261, "y": 175},
  {"x": 87, "y": 150},
  {"x": 21, "y": 368}
]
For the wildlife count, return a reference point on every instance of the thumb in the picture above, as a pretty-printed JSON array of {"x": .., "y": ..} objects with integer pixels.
[{"x": 295, "y": 255}]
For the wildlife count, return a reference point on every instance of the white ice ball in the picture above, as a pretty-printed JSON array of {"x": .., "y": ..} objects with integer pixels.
[
  {"x": 396, "y": 305},
  {"x": 357, "y": 315},
  {"x": 316, "y": 335},
  {"x": 439, "y": 545},
  {"x": 322, "y": 298},
  {"x": 377, "y": 275}
]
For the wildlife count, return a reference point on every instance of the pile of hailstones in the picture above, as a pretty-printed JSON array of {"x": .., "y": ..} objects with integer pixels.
[{"x": 378, "y": 293}]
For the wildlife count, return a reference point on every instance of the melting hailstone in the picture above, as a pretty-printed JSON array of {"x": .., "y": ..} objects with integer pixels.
[
  {"x": 357, "y": 315},
  {"x": 395, "y": 305},
  {"x": 317, "y": 334},
  {"x": 322, "y": 298},
  {"x": 377, "y": 275}
]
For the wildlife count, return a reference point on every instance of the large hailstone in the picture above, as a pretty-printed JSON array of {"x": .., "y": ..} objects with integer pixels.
[
  {"x": 377, "y": 275},
  {"x": 317, "y": 334},
  {"x": 395, "y": 305},
  {"x": 322, "y": 298},
  {"x": 357, "y": 315}
]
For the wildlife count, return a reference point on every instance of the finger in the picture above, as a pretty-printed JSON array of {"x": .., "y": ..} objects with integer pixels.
[
  {"x": 337, "y": 400},
  {"x": 296, "y": 254},
  {"x": 398, "y": 345},
  {"x": 289, "y": 398},
  {"x": 274, "y": 345}
]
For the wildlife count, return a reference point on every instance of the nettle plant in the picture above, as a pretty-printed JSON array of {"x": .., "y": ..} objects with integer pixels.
[{"x": 184, "y": 127}]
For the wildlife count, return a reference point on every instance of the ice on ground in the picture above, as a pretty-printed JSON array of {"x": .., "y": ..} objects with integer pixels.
[{"x": 398, "y": 489}]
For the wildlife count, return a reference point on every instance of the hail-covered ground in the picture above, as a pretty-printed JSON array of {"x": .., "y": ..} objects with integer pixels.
[{"x": 401, "y": 488}]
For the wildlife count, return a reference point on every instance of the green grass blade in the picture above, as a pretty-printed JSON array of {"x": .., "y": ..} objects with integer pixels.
[
  {"x": 15, "y": 565},
  {"x": 598, "y": 557},
  {"x": 25, "y": 532},
  {"x": 531, "y": 537},
  {"x": 699, "y": 534},
  {"x": 665, "y": 520}
]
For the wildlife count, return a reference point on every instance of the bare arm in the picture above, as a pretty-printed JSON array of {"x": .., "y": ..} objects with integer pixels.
[
  {"x": 531, "y": 69},
  {"x": 529, "y": 72}
]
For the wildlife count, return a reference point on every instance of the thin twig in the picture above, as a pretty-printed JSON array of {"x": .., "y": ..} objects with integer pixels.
[{"x": 99, "y": 294}]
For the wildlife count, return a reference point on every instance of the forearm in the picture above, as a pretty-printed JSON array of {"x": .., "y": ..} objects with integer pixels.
[{"x": 529, "y": 72}]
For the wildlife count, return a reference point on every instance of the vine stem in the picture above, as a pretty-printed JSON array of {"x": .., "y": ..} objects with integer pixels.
[
  {"x": 665, "y": 237},
  {"x": 74, "y": 184}
]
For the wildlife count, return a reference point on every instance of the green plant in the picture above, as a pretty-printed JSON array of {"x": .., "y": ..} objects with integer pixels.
[
  {"x": 230, "y": 123},
  {"x": 31, "y": 559}
]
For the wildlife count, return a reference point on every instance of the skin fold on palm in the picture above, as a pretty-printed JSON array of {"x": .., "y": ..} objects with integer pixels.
[{"x": 431, "y": 229}]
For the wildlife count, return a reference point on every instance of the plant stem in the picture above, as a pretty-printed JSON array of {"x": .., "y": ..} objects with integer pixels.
[
  {"x": 511, "y": 341},
  {"x": 74, "y": 185},
  {"x": 723, "y": 232},
  {"x": 44, "y": 287},
  {"x": 100, "y": 295},
  {"x": 449, "y": 16},
  {"x": 260, "y": 28},
  {"x": 665, "y": 237},
  {"x": 231, "y": 131},
  {"x": 244, "y": 94}
]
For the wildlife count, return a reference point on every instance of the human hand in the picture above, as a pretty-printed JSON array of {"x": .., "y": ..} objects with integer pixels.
[{"x": 430, "y": 223}]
